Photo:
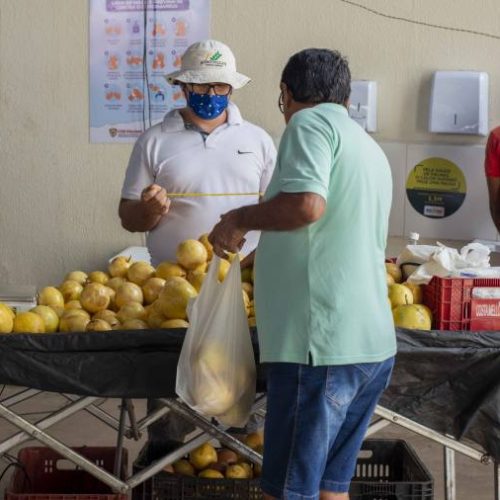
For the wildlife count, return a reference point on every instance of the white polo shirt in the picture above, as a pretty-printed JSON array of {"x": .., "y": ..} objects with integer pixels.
[{"x": 237, "y": 157}]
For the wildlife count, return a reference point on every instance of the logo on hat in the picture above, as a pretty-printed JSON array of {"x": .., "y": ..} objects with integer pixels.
[
  {"x": 212, "y": 59},
  {"x": 216, "y": 56}
]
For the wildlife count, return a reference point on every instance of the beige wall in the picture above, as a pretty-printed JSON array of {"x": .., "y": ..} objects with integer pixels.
[{"x": 59, "y": 194}]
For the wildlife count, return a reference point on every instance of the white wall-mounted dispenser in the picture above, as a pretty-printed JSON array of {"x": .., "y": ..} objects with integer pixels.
[
  {"x": 363, "y": 104},
  {"x": 459, "y": 103}
]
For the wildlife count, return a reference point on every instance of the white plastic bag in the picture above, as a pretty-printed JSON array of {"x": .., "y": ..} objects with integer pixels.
[
  {"x": 216, "y": 372},
  {"x": 444, "y": 261}
]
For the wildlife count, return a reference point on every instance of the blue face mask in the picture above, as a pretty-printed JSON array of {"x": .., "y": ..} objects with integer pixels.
[{"x": 207, "y": 106}]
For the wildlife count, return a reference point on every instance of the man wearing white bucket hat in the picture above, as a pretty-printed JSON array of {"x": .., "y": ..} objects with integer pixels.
[
  {"x": 207, "y": 157},
  {"x": 205, "y": 154}
]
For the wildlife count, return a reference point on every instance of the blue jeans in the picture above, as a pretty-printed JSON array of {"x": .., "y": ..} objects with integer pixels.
[{"x": 316, "y": 420}]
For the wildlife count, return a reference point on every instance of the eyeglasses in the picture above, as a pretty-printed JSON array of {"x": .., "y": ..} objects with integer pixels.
[
  {"x": 204, "y": 88},
  {"x": 281, "y": 102}
]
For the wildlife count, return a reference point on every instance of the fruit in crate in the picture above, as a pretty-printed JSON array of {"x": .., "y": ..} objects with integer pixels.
[
  {"x": 400, "y": 295},
  {"x": 152, "y": 288},
  {"x": 50, "y": 296},
  {"x": 174, "y": 298},
  {"x": 196, "y": 279},
  {"x": 7, "y": 309},
  {"x": 132, "y": 324},
  {"x": 183, "y": 467},
  {"x": 203, "y": 456},
  {"x": 108, "y": 316},
  {"x": 116, "y": 283},
  {"x": 95, "y": 297},
  {"x": 226, "y": 457},
  {"x": 211, "y": 474},
  {"x": 71, "y": 290},
  {"x": 74, "y": 320},
  {"x": 417, "y": 292},
  {"x": 191, "y": 254},
  {"x": 167, "y": 270},
  {"x": 78, "y": 276},
  {"x": 118, "y": 267},
  {"x": 98, "y": 277},
  {"x": 6, "y": 319},
  {"x": 139, "y": 272},
  {"x": 155, "y": 319},
  {"x": 237, "y": 471},
  {"x": 247, "y": 275},
  {"x": 131, "y": 310},
  {"x": 395, "y": 271},
  {"x": 28, "y": 322},
  {"x": 128, "y": 292},
  {"x": 254, "y": 440},
  {"x": 49, "y": 316},
  {"x": 98, "y": 325},
  {"x": 203, "y": 239},
  {"x": 412, "y": 316},
  {"x": 174, "y": 323},
  {"x": 202, "y": 268},
  {"x": 248, "y": 469},
  {"x": 248, "y": 288},
  {"x": 73, "y": 304}
]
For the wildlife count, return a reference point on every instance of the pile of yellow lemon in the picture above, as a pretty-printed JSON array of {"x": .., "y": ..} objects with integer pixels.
[
  {"x": 406, "y": 300},
  {"x": 129, "y": 296},
  {"x": 209, "y": 462}
]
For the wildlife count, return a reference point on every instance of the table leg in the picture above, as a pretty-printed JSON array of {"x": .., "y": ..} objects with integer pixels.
[
  {"x": 496, "y": 472},
  {"x": 133, "y": 421},
  {"x": 450, "y": 485},
  {"x": 119, "y": 440}
]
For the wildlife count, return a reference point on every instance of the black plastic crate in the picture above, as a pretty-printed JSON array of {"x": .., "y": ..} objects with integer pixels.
[
  {"x": 390, "y": 470},
  {"x": 385, "y": 470},
  {"x": 164, "y": 485}
]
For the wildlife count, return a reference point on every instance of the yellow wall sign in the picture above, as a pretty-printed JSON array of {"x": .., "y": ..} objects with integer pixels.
[{"x": 436, "y": 188}]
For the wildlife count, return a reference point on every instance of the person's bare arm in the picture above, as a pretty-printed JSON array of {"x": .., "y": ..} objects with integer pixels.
[
  {"x": 284, "y": 212},
  {"x": 494, "y": 198},
  {"x": 249, "y": 260},
  {"x": 144, "y": 214}
]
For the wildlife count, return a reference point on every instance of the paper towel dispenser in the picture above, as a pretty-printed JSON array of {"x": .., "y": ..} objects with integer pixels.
[
  {"x": 459, "y": 103},
  {"x": 363, "y": 104}
]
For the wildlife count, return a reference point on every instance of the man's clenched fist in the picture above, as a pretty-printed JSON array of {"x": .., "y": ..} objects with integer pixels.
[{"x": 154, "y": 199}]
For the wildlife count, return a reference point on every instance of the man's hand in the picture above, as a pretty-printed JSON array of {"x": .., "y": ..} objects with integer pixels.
[
  {"x": 154, "y": 200},
  {"x": 227, "y": 236}
]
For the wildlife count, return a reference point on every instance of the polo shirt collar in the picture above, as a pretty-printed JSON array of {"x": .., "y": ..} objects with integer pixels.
[
  {"x": 339, "y": 108},
  {"x": 173, "y": 121}
]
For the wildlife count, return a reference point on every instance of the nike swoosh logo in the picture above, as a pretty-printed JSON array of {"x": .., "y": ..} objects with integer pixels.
[{"x": 244, "y": 152}]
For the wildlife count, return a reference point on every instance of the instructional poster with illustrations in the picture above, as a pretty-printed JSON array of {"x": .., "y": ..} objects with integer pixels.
[{"x": 133, "y": 44}]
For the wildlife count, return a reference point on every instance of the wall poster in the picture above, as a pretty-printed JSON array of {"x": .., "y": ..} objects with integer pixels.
[{"x": 133, "y": 44}]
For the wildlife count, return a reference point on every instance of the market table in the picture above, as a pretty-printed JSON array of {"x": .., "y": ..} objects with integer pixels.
[{"x": 445, "y": 386}]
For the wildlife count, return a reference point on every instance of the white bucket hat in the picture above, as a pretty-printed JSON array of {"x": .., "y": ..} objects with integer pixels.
[{"x": 208, "y": 61}]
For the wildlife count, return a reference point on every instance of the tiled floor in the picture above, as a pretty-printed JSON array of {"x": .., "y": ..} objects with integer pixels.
[{"x": 474, "y": 481}]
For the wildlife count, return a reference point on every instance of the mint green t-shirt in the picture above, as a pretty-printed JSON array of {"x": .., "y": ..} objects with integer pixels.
[{"x": 320, "y": 291}]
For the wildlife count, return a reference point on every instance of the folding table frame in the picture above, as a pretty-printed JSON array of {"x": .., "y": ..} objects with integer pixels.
[{"x": 206, "y": 430}]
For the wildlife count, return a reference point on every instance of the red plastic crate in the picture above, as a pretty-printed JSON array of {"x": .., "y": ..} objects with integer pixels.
[
  {"x": 49, "y": 476},
  {"x": 454, "y": 308}
]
